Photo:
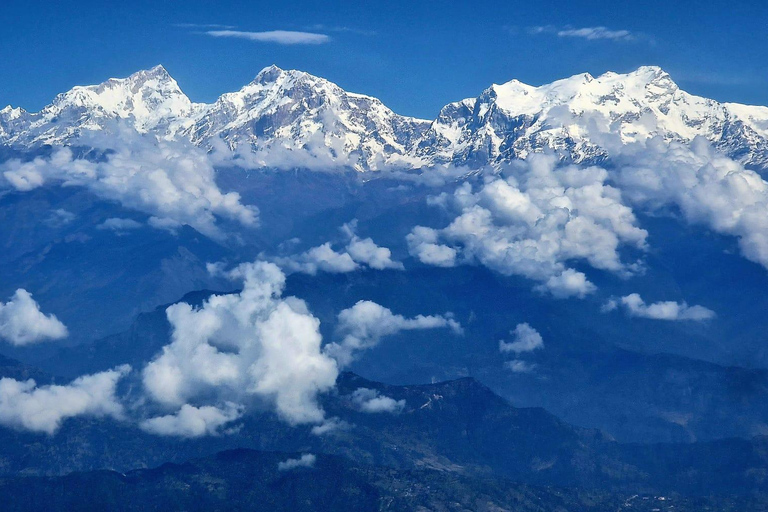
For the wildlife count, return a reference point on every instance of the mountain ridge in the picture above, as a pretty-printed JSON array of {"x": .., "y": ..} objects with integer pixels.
[{"x": 293, "y": 118}]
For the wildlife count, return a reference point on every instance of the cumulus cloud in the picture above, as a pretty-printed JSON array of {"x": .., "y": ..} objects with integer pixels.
[
  {"x": 666, "y": 310},
  {"x": 358, "y": 252},
  {"x": 170, "y": 181},
  {"x": 307, "y": 460},
  {"x": 321, "y": 258},
  {"x": 422, "y": 243},
  {"x": 286, "y": 37},
  {"x": 370, "y": 400},
  {"x": 526, "y": 339},
  {"x": 532, "y": 223},
  {"x": 190, "y": 421},
  {"x": 253, "y": 344},
  {"x": 119, "y": 225},
  {"x": 707, "y": 188},
  {"x": 25, "y": 405},
  {"x": 22, "y": 322},
  {"x": 520, "y": 366},
  {"x": 364, "y": 325},
  {"x": 589, "y": 33},
  {"x": 330, "y": 425},
  {"x": 365, "y": 251}
]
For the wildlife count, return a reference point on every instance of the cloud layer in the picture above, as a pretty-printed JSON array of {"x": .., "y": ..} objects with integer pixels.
[
  {"x": 22, "y": 322},
  {"x": 172, "y": 182}
]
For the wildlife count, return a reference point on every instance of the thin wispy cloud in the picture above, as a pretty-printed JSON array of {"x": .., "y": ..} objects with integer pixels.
[
  {"x": 287, "y": 37},
  {"x": 319, "y": 27},
  {"x": 588, "y": 33},
  {"x": 204, "y": 26}
]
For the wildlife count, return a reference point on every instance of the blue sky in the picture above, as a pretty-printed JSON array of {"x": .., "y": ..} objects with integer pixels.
[{"x": 415, "y": 56}]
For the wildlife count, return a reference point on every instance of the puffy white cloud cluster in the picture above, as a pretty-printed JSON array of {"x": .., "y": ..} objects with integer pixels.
[
  {"x": 25, "y": 405},
  {"x": 252, "y": 344},
  {"x": 364, "y": 325},
  {"x": 665, "y": 310},
  {"x": 307, "y": 460},
  {"x": 358, "y": 252},
  {"x": 170, "y": 181},
  {"x": 118, "y": 225},
  {"x": 190, "y": 421},
  {"x": 707, "y": 187},
  {"x": 370, "y": 400},
  {"x": 22, "y": 322},
  {"x": 526, "y": 339},
  {"x": 520, "y": 366},
  {"x": 532, "y": 223}
]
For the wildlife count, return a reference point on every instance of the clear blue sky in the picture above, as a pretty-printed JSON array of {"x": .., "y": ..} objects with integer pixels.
[{"x": 415, "y": 56}]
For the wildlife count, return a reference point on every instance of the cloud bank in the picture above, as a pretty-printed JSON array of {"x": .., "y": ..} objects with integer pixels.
[
  {"x": 22, "y": 322},
  {"x": 171, "y": 181}
]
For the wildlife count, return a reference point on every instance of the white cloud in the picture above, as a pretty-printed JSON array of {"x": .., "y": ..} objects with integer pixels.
[
  {"x": 190, "y": 421},
  {"x": 707, "y": 187},
  {"x": 22, "y": 322},
  {"x": 171, "y": 181},
  {"x": 589, "y": 33},
  {"x": 370, "y": 400},
  {"x": 569, "y": 283},
  {"x": 203, "y": 25},
  {"x": 25, "y": 405},
  {"x": 307, "y": 460},
  {"x": 666, "y": 310},
  {"x": 365, "y": 251},
  {"x": 119, "y": 225},
  {"x": 532, "y": 223},
  {"x": 526, "y": 339},
  {"x": 251, "y": 344},
  {"x": 364, "y": 325},
  {"x": 422, "y": 243},
  {"x": 287, "y": 37},
  {"x": 519, "y": 366},
  {"x": 330, "y": 425},
  {"x": 321, "y": 258},
  {"x": 358, "y": 251}
]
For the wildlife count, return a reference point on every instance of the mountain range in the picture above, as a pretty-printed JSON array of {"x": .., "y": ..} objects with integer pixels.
[{"x": 309, "y": 119}]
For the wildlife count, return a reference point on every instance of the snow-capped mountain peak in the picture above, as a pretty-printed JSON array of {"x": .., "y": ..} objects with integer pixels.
[
  {"x": 295, "y": 119},
  {"x": 149, "y": 100},
  {"x": 514, "y": 119},
  {"x": 297, "y": 115}
]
